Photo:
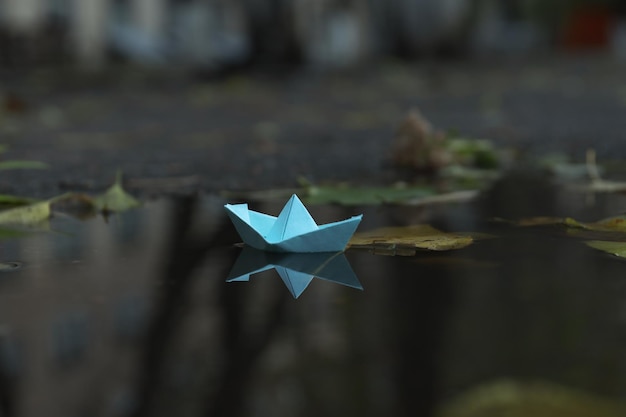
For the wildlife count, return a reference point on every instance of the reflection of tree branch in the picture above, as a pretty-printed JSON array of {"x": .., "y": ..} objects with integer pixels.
[
  {"x": 418, "y": 323},
  {"x": 242, "y": 352},
  {"x": 184, "y": 255},
  {"x": 7, "y": 395}
]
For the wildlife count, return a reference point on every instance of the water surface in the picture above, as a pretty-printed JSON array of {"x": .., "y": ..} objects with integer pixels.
[{"x": 133, "y": 316}]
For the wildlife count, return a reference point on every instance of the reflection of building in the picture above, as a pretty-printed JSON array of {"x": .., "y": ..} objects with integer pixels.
[{"x": 73, "y": 316}]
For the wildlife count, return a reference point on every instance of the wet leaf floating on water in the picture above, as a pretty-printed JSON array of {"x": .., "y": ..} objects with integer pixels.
[
  {"x": 347, "y": 195},
  {"x": 536, "y": 399},
  {"x": 611, "y": 224},
  {"x": 13, "y": 200},
  {"x": 612, "y": 247},
  {"x": 78, "y": 205},
  {"x": 115, "y": 199},
  {"x": 33, "y": 214},
  {"x": 415, "y": 237},
  {"x": 26, "y": 215}
]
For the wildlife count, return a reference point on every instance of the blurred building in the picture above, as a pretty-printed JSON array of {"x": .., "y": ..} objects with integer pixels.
[{"x": 323, "y": 33}]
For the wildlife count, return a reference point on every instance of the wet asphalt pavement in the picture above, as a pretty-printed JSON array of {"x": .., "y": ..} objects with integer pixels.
[{"x": 173, "y": 134}]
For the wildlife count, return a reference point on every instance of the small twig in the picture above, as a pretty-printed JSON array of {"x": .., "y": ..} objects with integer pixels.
[
  {"x": 592, "y": 167},
  {"x": 452, "y": 197},
  {"x": 597, "y": 184}
]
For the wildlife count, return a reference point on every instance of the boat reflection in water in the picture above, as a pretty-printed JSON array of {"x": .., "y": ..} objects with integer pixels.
[{"x": 297, "y": 270}]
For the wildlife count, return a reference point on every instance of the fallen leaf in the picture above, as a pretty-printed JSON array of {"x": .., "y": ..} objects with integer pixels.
[
  {"x": 13, "y": 200},
  {"x": 416, "y": 236},
  {"x": 115, "y": 199},
  {"x": 614, "y": 248},
  {"x": 538, "y": 399},
  {"x": 616, "y": 224},
  {"x": 78, "y": 205},
  {"x": 613, "y": 224},
  {"x": 17, "y": 164},
  {"x": 26, "y": 215},
  {"x": 462, "y": 196},
  {"x": 610, "y": 229},
  {"x": 347, "y": 195},
  {"x": 476, "y": 153}
]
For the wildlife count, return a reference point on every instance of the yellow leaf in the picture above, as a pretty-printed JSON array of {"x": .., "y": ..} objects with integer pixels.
[
  {"x": 615, "y": 224},
  {"x": 416, "y": 236}
]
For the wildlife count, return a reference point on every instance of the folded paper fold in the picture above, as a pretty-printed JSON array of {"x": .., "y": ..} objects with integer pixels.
[{"x": 294, "y": 230}]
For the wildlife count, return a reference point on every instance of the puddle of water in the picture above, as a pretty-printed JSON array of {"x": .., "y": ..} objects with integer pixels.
[{"x": 136, "y": 317}]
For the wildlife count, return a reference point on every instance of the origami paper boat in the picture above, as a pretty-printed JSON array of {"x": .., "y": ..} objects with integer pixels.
[
  {"x": 294, "y": 230},
  {"x": 297, "y": 270}
]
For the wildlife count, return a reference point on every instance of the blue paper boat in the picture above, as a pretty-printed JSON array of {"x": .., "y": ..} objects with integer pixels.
[
  {"x": 294, "y": 230},
  {"x": 297, "y": 270}
]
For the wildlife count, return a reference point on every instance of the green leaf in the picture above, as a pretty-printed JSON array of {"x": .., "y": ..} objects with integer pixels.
[
  {"x": 26, "y": 215},
  {"x": 612, "y": 247},
  {"x": 346, "y": 195},
  {"x": 421, "y": 236},
  {"x": 4, "y": 165},
  {"x": 115, "y": 199},
  {"x": 523, "y": 399},
  {"x": 13, "y": 200},
  {"x": 477, "y": 153},
  {"x": 611, "y": 224}
]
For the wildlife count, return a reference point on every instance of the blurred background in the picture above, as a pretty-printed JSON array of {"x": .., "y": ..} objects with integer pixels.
[
  {"x": 241, "y": 93},
  {"x": 214, "y": 35}
]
